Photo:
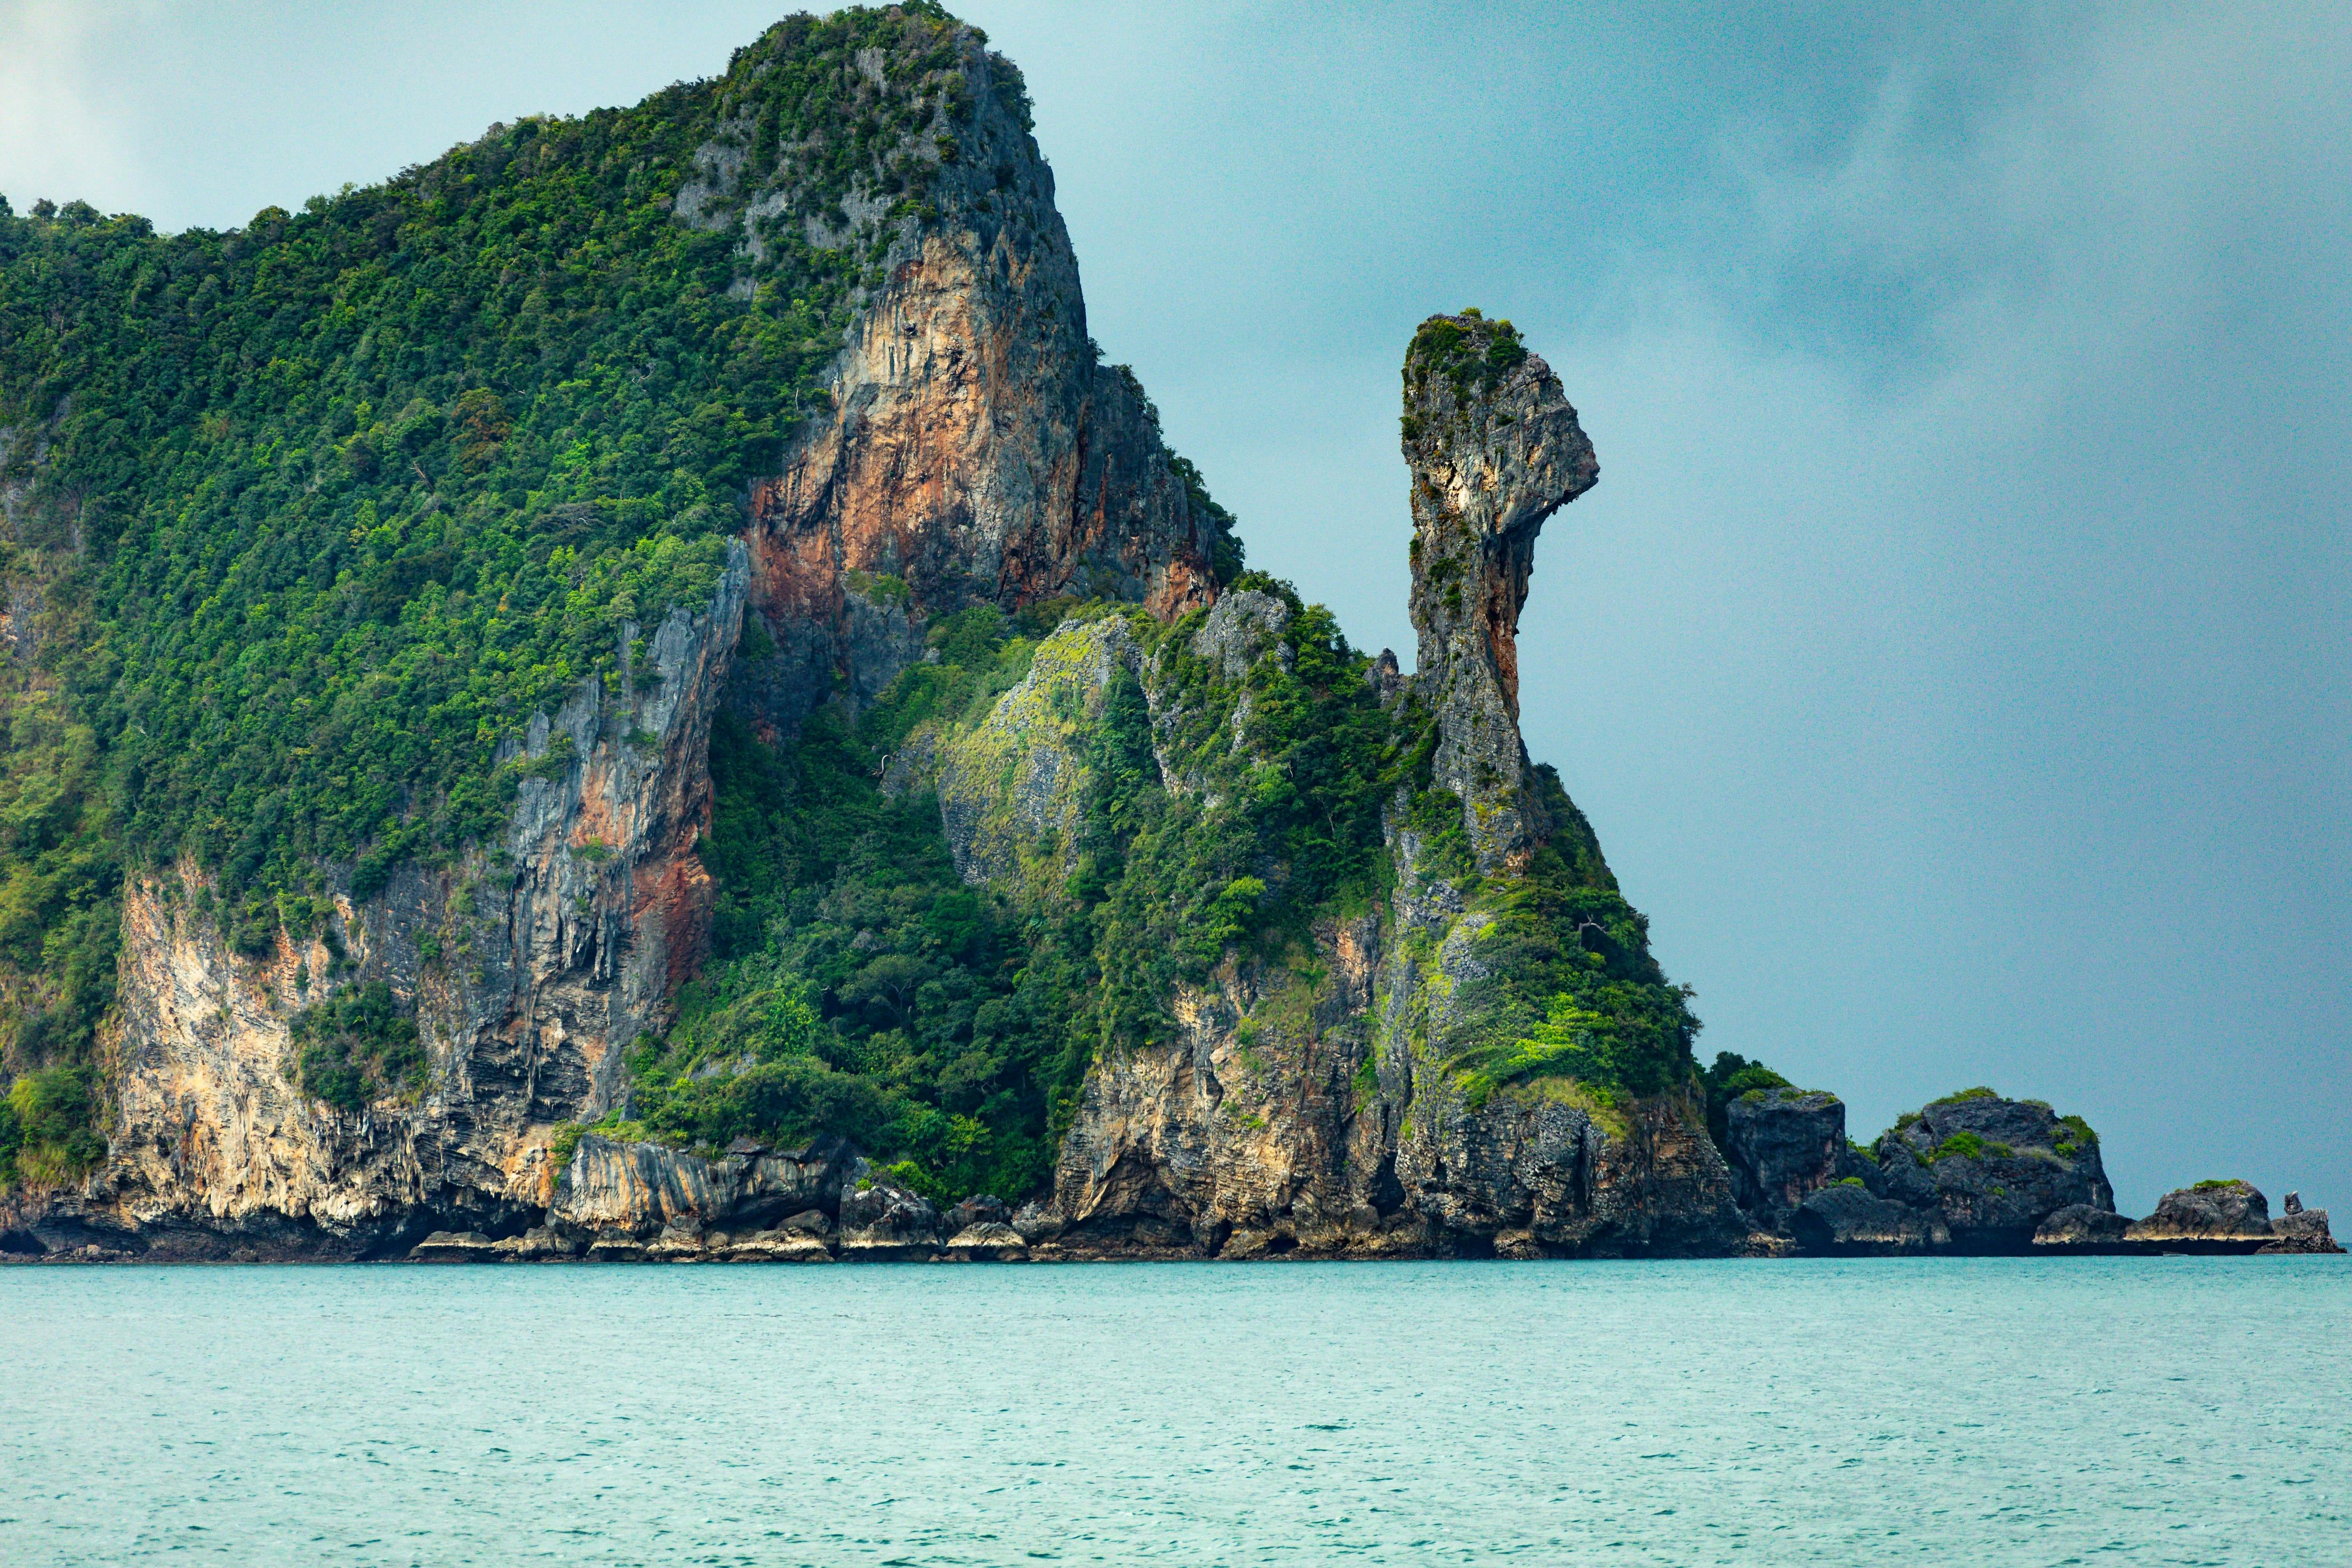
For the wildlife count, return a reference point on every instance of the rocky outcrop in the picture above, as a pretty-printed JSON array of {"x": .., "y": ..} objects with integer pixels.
[
  {"x": 1494, "y": 448},
  {"x": 2302, "y": 1230},
  {"x": 883, "y": 1222},
  {"x": 2082, "y": 1227},
  {"x": 1782, "y": 1145},
  {"x": 975, "y": 448},
  {"x": 1847, "y": 1219},
  {"x": 1991, "y": 1170},
  {"x": 1309, "y": 1110},
  {"x": 639, "y": 1190},
  {"x": 2228, "y": 1217}
]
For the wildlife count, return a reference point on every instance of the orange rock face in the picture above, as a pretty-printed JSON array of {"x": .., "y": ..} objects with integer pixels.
[{"x": 976, "y": 452}]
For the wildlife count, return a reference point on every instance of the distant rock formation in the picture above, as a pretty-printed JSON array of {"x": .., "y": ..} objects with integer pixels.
[
  {"x": 2210, "y": 1216},
  {"x": 2230, "y": 1216},
  {"x": 1847, "y": 1219},
  {"x": 1783, "y": 1145},
  {"x": 1991, "y": 1169},
  {"x": 1494, "y": 448}
]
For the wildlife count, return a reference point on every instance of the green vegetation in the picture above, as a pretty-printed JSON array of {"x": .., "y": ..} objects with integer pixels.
[
  {"x": 563, "y": 1146},
  {"x": 857, "y": 985},
  {"x": 1979, "y": 1092},
  {"x": 318, "y": 513},
  {"x": 2075, "y": 1136},
  {"x": 45, "y": 1120},
  {"x": 354, "y": 1049},
  {"x": 1968, "y": 1145},
  {"x": 1467, "y": 352},
  {"x": 860, "y": 986},
  {"x": 325, "y": 507},
  {"x": 2214, "y": 1184},
  {"x": 1734, "y": 1077},
  {"x": 60, "y": 879}
]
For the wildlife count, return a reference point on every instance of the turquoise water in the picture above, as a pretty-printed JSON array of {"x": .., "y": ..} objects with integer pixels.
[{"x": 1977, "y": 1411}]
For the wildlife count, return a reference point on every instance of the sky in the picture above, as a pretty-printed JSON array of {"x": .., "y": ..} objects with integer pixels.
[{"x": 1956, "y": 657}]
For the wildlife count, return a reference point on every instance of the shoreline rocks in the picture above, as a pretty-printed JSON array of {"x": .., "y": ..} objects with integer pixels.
[
  {"x": 1847, "y": 1219},
  {"x": 2226, "y": 1216},
  {"x": 1783, "y": 1145},
  {"x": 1992, "y": 1169},
  {"x": 2082, "y": 1227}
]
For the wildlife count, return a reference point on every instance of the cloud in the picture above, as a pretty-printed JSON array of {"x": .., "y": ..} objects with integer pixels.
[
  {"x": 1955, "y": 656},
  {"x": 56, "y": 141}
]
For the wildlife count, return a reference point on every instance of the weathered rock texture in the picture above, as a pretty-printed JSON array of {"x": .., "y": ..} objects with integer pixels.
[
  {"x": 2081, "y": 1228},
  {"x": 2302, "y": 1230},
  {"x": 1847, "y": 1219},
  {"x": 1784, "y": 1144},
  {"x": 976, "y": 449},
  {"x": 1990, "y": 1169},
  {"x": 530, "y": 968},
  {"x": 1494, "y": 448},
  {"x": 2211, "y": 1216}
]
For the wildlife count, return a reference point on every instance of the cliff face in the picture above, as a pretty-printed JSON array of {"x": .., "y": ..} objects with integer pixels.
[
  {"x": 967, "y": 446},
  {"x": 975, "y": 450},
  {"x": 1404, "y": 1011},
  {"x": 530, "y": 967}
]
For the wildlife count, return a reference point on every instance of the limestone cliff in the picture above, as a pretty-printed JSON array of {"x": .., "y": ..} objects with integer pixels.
[
  {"x": 976, "y": 448},
  {"x": 529, "y": 967},
  {"x": 1352, "y": 974},
  {"x": 967, "y": 445}
]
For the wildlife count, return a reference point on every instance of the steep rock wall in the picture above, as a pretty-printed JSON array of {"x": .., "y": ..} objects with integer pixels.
[
  {"x": 976, "y": 448},
  {"x": 529, "y": 967},
  {"x": 1310, "y": 1109}
]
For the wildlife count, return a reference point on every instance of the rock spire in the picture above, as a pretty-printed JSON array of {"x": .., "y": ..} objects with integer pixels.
[{"x": 1495, "y": 448}]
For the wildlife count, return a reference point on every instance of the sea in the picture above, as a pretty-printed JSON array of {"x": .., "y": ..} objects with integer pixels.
[{"x": 1948, "y": 1411}]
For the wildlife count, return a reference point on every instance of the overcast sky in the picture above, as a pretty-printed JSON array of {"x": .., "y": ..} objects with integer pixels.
[{"x": 1956, "y": 658}]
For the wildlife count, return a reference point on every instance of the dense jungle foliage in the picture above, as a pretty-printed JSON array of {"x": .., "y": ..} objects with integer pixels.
[
  {"x": 315, "y": 511},
  {"x": 859, "y": 986}
]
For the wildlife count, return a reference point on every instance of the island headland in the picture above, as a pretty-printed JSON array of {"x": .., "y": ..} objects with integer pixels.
[{"x": 643, "y": 691}]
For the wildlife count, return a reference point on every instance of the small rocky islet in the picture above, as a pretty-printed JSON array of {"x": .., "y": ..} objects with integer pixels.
[{"x": 689, "y": 715}]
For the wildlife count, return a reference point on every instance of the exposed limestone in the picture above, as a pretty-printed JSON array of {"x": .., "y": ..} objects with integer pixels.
[
  {"x": 1495, "y": 449},
  {"x": 2211, "y": 1216},
  {"x": 639, "y": 1189},
  {"x": 1991, "y": 1170},
  {"x": 549, "y": 952},
  {"x": 1011, "y": 789},
  {"x": 988, "y": 1241},
  {"x": 976, "y": 450},
  {"x": 882, "y": 1222},
  {"x": 779, "y": 1246},
  {"x": 455, "y": 1247}
]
